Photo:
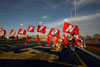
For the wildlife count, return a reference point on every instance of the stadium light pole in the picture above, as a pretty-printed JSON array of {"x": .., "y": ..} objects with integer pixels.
[
  {"x": 75, "y": 13},
  {"x": 71, "y": 17},
  {"x": 84, "y": 39}
]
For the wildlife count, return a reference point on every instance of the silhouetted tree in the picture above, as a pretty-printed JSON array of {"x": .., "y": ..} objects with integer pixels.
[
  {"x": 88, "y": 37},
  {"x": 12, "y": 37},
  {"x": 95, "y": 36}
]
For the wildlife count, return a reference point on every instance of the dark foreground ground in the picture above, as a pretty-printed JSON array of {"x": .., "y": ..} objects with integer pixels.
[{"x": 65, "y": 57}]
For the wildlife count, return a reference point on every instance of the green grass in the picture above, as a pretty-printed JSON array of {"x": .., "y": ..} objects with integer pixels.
[
  {"x": 95, "y": 51},
  {"x": 14, "y": 42}
]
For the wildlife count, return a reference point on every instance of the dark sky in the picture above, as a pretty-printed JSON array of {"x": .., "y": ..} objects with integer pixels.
[{"x": 52, "y": 13}]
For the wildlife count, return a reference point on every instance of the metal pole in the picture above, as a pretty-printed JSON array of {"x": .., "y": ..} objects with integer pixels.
[
  {"x": 71, "y": 17},
  {"x": 84, "y": 41},
  {"x": 75, "y": 14}
]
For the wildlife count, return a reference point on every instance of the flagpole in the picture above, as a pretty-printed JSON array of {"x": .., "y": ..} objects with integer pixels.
[
  {"x": 71, "y": 17},
  {"x": 75, "y": 13}
]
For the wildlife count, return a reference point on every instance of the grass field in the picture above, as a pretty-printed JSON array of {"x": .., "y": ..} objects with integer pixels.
[
  {"x": 14, "y": 42},
  {"x": 95, "y": 51}
]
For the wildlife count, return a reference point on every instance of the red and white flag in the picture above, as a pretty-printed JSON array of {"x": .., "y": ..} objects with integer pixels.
[
  {"x": 38, "y": 41},
  {"x": 41, "y": 29},
  {"x": 76, "y": 30},
  {"x": 27, "y": 40},
  {"x": 54, "y": 32},
  {"x": 12, "y": 32},
  {"x": 2, "y": 32},
  {"x": 21, "y": 31},
  {"x": 31, "y": 28},
  {"x": 69, "y": 28}
]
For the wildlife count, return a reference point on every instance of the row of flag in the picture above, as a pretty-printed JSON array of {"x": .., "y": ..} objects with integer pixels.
[{"x": 67, "y": 28}]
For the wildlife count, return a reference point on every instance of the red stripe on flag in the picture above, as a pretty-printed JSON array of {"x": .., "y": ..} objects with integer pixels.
[
  {"x": 31, "y": 28},
  {"x": 41, "y": 29},
  {"x": 54, "y": 32},
  {"x": 12, "y": 32},
  {"x": 21, "y": 31}
]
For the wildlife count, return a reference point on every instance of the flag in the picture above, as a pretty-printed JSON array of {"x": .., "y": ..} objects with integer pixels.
[
  {"x": 31, "y": 28},
  {"x": 76, "y": 30},
  {"x": 70, "y": 29},
  {"x": 21, "y": 31},
  {"x": 17, "y": 37},
  {"x": 48, "y": 39},
  {"x": 2, "y": 32},
  {"x": 27, "y": 40},
  {"x": 41, "y": 29},
  {"x": 38, "y": 39},
  {"x": 54, "y": 32},
  {"x": 12, "y": 32}
]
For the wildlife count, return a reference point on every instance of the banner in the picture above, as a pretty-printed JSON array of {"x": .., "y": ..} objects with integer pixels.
[
  {"x": 41, "y": 29},
  {"x": 70, "y": 29},
  {"x": 21, "y": 31},
  {"x": 54, "y": 32},
  {"x": 2, "y": 32},
  {"x": 76, "y": 31},
  {"x": 12, "y": 32},
  {"x": 31, "y": 28}
]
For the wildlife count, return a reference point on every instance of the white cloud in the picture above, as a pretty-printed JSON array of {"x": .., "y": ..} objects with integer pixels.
[
  {"x": 44, "y": 17},
  {"x": 79, "y": 19},
  {"x": 81, "y": 3},
  {"x": 88, "y": 17}
]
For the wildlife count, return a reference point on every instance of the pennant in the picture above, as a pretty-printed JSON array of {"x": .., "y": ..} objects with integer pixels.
[
  {"x": 38, "y": 39},
  {"x": 41, "y": 29},
  {"x": 54, "y": 32},
  {"x": 27, "y": 40},
  {"x": 2, "y": 32},
  {"x": 31, "y": 28},
  {"x": 12, "y": 32},
  {"x": 17, "y": 37},
  {"x": 48, "y": 39},
  {"x": 21, "y": 31}
]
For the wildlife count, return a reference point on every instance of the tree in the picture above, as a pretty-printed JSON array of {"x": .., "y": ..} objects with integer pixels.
[
  {"x": 95, "y": 36},
  {"x": 80, "y": 36},
  {"x": 88, "y": 37},
  {"x": 12, "y": 37},
  {"x": 2, "y": 38}
]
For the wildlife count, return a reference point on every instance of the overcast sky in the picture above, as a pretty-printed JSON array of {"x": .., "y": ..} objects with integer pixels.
[{"x": 52, "y": 13}]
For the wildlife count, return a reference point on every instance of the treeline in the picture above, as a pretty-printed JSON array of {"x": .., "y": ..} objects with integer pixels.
[{"x": 95, "y": 38}]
